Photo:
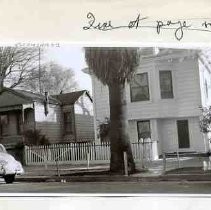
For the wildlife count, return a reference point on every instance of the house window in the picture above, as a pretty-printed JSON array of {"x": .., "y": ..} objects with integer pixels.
[
  {"x": 4, "y": 122},
  {"x": 28, "y": 116},
  {"x": 68, "y": 123},
  {"x": 166, "y": 87},
  {"x": 140, "y": 88},
  {"x": 144, "y": 129}
]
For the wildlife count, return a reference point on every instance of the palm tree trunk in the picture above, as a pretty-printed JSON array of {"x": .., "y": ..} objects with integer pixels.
[{"x": 119, "y": 130}]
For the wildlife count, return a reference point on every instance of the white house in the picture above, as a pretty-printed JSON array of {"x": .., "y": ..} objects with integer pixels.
[{"x": 164, "y": 99}]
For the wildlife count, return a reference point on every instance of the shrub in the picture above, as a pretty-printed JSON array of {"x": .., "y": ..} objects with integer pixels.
[
  {"x": 34, "y": 137},
  {"x": 205, "y": 121}
]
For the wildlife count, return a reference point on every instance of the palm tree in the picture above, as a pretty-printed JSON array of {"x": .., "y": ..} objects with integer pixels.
[{"x": 114, "y": 67}]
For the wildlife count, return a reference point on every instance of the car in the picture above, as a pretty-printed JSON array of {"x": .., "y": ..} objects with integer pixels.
[{"x": 9, "y": 166}]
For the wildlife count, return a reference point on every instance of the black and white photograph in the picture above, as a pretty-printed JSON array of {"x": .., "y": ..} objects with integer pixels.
[
  {"x": 105, "y": 104},
  {"x": 105, "y": 119}
]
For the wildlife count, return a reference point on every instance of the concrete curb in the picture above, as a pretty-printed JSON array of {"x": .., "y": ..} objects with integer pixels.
[{"x": 116, "y": 178}]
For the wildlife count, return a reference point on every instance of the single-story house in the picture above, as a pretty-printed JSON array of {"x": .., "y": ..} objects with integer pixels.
[{"x": 61, "y": 118}]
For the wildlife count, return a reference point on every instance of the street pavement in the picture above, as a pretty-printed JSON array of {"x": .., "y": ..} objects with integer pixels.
[
  {"x": 150, "y": 169},
  {"x": 150, "y": 179},
  {"x": 181, "y": 187}
]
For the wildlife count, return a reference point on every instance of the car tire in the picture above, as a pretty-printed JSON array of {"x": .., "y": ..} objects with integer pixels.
[{"x": 10, "y": 178}]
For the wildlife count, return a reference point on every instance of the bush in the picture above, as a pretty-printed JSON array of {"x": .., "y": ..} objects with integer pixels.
[
  {"x": 205, "y": 121},
  {"x": 103, "y": 130},
  {"x": 34, "y": 137}
]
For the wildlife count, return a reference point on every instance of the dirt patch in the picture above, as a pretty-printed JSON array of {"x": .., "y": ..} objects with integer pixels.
[{"x": 98, "y": 173}]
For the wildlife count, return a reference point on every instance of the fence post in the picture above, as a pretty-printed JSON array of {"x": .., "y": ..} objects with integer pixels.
[
  {"x": 57, "y": 168},
  {"x": 25, "y": 158},
  {"x": 45, "y": 152},
  {"x": 164, "y": 163},
  {"x": 88, "y": 157},
  {"x": 178, "y": 159},
  {"x": 125, "y": 163},
  {"x": 142, "y": 154}
]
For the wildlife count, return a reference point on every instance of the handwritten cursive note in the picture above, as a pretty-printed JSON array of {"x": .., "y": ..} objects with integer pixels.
[{"x": 178, "y": 27}]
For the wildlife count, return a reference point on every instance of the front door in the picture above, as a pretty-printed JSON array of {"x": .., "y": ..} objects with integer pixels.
[{"x": 183, "y": 134}]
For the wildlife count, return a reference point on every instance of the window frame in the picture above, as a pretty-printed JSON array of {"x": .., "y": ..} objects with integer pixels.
[
  {"x": 143, "y": 121},
  {"x": 147, "y": 86},
  {"x": 68, "y": 123},
  {"x": 171, "y": 85}
]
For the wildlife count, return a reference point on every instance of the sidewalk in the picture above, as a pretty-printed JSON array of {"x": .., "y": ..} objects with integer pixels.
[{"x": 190, "y": 170}]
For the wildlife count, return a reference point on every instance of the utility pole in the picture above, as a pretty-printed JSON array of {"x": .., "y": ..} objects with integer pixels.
[{"x": 39, "y": 73}]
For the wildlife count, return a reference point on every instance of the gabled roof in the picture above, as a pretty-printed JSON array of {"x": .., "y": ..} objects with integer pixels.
[
  {"x": 11, "y": 97},
  {"x": 71, "y": 98},
  {"x": 36, "y": 96}
]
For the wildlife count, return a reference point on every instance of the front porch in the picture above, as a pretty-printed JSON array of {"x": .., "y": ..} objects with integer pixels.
[{"x": 14, "y": 121}]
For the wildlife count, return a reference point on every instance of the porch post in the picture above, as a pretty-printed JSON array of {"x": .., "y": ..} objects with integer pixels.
[
  {"x": 23, "y": 122},
  {"x": 34, "y": 117},
  {"x": 74, "y": 122}
]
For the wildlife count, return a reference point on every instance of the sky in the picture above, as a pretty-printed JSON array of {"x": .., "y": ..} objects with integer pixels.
[{"x": 71, "y": 56}]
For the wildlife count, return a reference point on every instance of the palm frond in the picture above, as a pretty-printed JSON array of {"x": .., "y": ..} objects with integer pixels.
[{"x": 112, "y": 65}]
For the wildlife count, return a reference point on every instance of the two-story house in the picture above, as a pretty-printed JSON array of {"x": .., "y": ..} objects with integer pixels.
[
  {"x": 61, "y": 118},
  {"x": 163, "y": 100}
]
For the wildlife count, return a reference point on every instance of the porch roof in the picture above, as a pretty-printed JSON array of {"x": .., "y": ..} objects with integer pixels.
[
  {"x": 9, "y": 99},
  {"x": 10, "y": 108}
]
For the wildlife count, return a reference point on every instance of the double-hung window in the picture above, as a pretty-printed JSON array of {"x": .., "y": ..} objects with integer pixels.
[
  {"x": 144, "y": 131},
  {"x": 166, "y": 87},
  {"x": 68, "y": 123},
  {"x": 139, "y": 88}
]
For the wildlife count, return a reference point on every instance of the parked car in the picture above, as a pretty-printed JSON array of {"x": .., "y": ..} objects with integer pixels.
[{"x": 9, "y": 167}]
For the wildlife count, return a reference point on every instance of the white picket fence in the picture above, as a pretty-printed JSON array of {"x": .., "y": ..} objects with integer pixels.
[{"x": 78, "y": 153}]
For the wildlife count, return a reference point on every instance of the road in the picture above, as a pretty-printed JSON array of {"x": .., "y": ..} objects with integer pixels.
[{"x": 107, "y": 187}]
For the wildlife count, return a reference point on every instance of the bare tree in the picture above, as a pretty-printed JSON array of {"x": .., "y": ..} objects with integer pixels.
[
  {"x": 17, "y": 65},
  {"x": 54, "y": 79}
]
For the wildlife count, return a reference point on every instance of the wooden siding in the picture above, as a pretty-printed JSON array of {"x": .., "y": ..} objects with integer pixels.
[
  {"x": 164, "y": 131},
  {"x": 50, "y": 125},
  {"x": 84, "y": 127},
  {"x": 205, "y": 76},
  {"x": 186, "y": 89},
  {"x": 101, "y": 104},
  {"x": 169, "y": 135},
  {"x": 162, "y": 113}
]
